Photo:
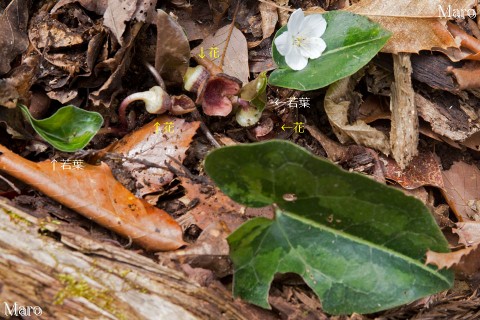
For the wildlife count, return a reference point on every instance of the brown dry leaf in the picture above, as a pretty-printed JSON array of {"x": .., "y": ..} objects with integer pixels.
[
  {"x": 144, "y": 146},
  {"x": 45, "y": 31},
  {"x": 212, "y": 205},
  {"x": 416, "y": 25},
  {"x": 98, "y": 6},
  {"x": 13, "y": 28},
  {"x": 173, "y": 50},
  {"x": 14, "y": 122},
  {"x": 283, "y": 14},
  {"x": 236, "y": 56},
  {"x": 119, "y": 65},
  {"x": 17, "y": 86},
  {"x": 465, "y": 261},
  {"x": 335, "y": 151},
  {"x": 145, "y": 11},
  {"x": 119, "y": 12},
  {"x": 423, "y": 170},
  {"x": 269, "y": 18},
  {"x": 468, "y": 232},
  {"x": 337, "y": 102},
  {"x": 219, "y": 8},
  {"x": 373, "y": 109},
  {"x": 195, "y": 30},
  {"x": 462, "y": 190},
  {"x": 94, "y": 193},
  {"x": 468, "y": 76}
]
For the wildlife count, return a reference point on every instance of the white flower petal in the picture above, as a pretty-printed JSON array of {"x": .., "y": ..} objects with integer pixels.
[
  {"x": 313, "y": 26},
  {"x": 283, "y": 43},
  {"x": 295, "y": 60},
  {"x": 312, "y": 47},
  {"x": 295, "y": 22}
]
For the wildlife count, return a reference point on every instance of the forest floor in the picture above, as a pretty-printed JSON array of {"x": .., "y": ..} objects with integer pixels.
[{"x": 94, "y": 54}]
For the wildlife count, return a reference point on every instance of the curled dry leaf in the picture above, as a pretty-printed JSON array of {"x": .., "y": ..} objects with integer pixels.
[
  {"x": 94, "y": 193},
  {"x": 465, "y": 261},
  {"x": 119, "y": 65},
  {"x": 468, "y": 76},
  {"x": 283, "y": 14},
  {"x": 173, "y": 51},
  {"x": 269, "y": 18},
  {"x": 13, "y": 28},
  {"x": 116, "y": 15},
  {"x": 423, "y": 170},
  {"x": 144, "y": 146},
  {"x": 462, "y": 190},
  {"x": 468, "y": 232},
  {"x": 49, "y": 32},
  {"x": 338, "y": 99},
  {"x": 119, "y": 12},
  {"x": 415, "y": 25},
  {"x": 219, "y": 8},
  {"x": 98, "y": 6},
  {"x": 236, "y": 55},
  {"x": 145, "y": 11},
  {"x": 17, "y": 86}
]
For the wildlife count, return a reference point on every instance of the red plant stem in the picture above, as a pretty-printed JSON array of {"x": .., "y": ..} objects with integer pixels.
[{"x": 122, "y": 110}]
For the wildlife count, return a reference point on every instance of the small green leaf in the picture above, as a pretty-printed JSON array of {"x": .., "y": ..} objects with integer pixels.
[
  {"x": 352, "y": 41},
  {"x": 255, "y": 91},
  {"x": 69, "y": 129},
  {"x": 359, "y": 244}
]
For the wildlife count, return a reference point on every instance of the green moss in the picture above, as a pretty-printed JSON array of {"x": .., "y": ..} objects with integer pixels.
[
  {"x": 124, "y": 273},
  {"x": 16, "y": 218},
  {"x": 80, "y": 288}
]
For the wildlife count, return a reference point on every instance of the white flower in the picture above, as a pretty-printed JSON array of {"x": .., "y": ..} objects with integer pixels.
[{"x": 302, "y": 39}]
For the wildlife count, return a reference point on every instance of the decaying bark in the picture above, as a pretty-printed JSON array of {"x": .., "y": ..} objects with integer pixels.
[
  {"x": 83, "y": 278},
  {"x": 404, "y": 132}
]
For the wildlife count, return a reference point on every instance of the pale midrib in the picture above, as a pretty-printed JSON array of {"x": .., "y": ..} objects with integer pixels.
[{"x": 354, "y": 45}]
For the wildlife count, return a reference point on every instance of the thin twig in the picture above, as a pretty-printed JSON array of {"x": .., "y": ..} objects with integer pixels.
[
  {"x": 185, "y": 172},
  {"x": 146, "y": 163},
  {"x": 155, "y": 74},
  {"x": 11, "y": 184},
  {"x": 206, "y": 132},
  {"x": 232, "y": 25}
]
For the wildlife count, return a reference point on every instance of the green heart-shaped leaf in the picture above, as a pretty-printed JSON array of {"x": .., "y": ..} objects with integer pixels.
[
  {"x": 69, "y": 129},
  {"x": 359, "y": 244},
  {"x": 352, "y": 41}
]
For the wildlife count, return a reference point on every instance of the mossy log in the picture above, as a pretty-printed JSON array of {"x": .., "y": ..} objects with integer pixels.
[{"x": 71, "y": 276}]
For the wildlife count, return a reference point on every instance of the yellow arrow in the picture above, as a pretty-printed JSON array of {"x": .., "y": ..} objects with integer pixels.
[
  {"x": 283, "y": 127},
  {"x": 156, "y": 126},
  {"x": 201, "y": 54}
]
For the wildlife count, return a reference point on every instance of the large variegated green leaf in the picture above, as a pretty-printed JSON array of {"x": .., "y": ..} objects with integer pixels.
[{"x": 359, "y": 244}]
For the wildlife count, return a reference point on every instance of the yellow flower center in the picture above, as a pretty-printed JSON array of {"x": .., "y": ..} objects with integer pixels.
[{"x": 297, "y": 41}]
